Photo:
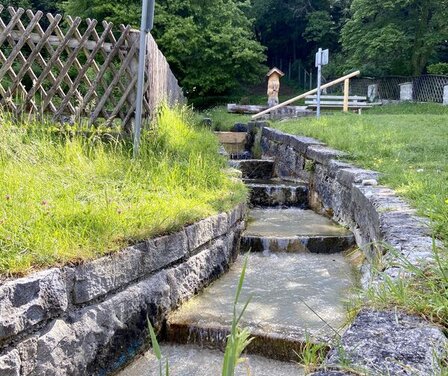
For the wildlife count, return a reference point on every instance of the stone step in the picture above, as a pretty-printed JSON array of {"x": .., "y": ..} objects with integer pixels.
[
  {"x": 294, "y": 230},
  {"x": 276, "y": 192},
  {"x": 254, "y": 168},
  {"x": 188, "y": 360},
  {"x": 294, "y": 299}
]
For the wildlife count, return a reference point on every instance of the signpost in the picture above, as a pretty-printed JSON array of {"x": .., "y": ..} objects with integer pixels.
[
  {"x": 147, "y": 23},
  {"x": 321, "y": 59}
]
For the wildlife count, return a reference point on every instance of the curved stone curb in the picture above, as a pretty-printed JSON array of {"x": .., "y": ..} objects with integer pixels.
[
  {"x": 381, "y": 342},
  {"x": 91, "y": 319}
]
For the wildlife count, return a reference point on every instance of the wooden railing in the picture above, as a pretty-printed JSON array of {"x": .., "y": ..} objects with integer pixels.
[{"x": 345, "y": 79}]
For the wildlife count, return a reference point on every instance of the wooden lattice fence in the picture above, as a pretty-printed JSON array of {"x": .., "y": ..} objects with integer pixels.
[{"x": 77, "y": 70}]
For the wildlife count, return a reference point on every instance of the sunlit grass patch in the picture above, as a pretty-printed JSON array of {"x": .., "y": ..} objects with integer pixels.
[{"x": 66, "y": 198}]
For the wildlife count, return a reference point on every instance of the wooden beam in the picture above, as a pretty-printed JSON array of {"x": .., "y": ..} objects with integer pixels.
[{"x": 301, "y": 96}]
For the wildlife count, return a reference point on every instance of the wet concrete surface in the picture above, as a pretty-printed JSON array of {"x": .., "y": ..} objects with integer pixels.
[{"x": 189, "y": 360}]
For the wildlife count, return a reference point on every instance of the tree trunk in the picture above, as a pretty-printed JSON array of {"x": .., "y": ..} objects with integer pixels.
[{"x": 421, "y": 49}]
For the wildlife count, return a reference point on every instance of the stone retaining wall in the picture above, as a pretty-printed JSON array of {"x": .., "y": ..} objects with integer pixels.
[
  {"x": 385, "y": 342},
  {"x": 352, "y": 197},
  {"x": 90, "y": 319}
]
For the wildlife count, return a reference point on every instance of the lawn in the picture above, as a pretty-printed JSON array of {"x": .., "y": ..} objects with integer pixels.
[
  {"x": 407, "y": 143},
  {"x": 66, "y": 198}
]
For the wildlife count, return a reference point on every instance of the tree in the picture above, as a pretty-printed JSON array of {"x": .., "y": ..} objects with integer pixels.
[
  {"x": 292, "y": 30},
  {"x": 43, "y": 5},
  {"x": 209, "y": 44},
  {"x": 394, "y": 36}
]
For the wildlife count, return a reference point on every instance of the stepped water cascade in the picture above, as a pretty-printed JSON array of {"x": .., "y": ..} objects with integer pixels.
[{"x": 298, "y": 276}]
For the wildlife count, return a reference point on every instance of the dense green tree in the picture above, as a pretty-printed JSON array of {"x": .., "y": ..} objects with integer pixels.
[
  {"x": 43, "y": 5},
  {"x": 292, "y": 30},
  {"x": 394, "y": 36},
  {"x": 209, "y": 44}
]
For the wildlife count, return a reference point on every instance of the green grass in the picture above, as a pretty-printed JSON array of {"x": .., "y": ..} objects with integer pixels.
[
  {"x": 67, "y": 198},
  {"x": 410, "y": 150}
]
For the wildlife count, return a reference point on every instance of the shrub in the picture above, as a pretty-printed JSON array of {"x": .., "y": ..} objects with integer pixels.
[{"x": 439, "y": 68}]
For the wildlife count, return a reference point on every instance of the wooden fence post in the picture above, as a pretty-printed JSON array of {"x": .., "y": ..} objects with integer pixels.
[{"x": 346, "y": 93}]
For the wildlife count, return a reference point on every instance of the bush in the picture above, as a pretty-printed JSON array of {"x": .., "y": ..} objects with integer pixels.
[{"x": 439, "y": 68}]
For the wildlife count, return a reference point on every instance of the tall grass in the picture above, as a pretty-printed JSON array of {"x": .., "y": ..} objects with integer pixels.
[{"x": 65, "y": 197}]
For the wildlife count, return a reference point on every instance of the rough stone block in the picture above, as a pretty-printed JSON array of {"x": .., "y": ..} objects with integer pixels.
[
  {"x": 165, "y": 250},
  {"x": 197, "y": 272},
  {"x": 392, "y": 343},
  {"x": 27, "y": 350},
  {"x": 10, "y": 363},
  {"x": 322, "y": 154},
  {"x": 331, "y": 372},
  {"x": 286, "y": 162},
  {"x": 199, "y": 234},
  {"x": 323, "y": 186},
  {"x": 274, "y": 135},
  {"x": 349, "y": 176},
  {"x": 101, "y": 276},
  {"x": 365, "y": 216},
  {"x": 301, "y": 144},
  {"x": 237, "y": 214},
  {"x": 334, "y": 166},
  {"x": 28, "y": 301},
  {"x": 104, "y": 336}
]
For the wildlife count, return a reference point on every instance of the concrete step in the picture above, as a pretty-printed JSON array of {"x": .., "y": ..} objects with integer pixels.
[
  {"x": 294, "y": 230},
  {"x": 254, "y": 168},
  {"x": 276, "y": 192},
  {"x": 188, "y": 360},
  {"x": 295, "y": 299}
]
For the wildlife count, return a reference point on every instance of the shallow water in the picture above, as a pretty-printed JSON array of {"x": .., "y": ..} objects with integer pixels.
[
  {"x": 291, "y": 223},
  {"x": 291, "y": 296},
  {"x": 187, "y": 360}
]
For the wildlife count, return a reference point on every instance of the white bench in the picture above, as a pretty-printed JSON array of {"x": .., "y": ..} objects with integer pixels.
[{"x": 355, "y": 102}]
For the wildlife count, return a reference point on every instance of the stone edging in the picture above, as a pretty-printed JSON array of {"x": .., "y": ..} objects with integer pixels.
[
  {"x": 377, "y": 217},
  {"x": 91, "y": 319},
  {"x": 352, "y": 197}
]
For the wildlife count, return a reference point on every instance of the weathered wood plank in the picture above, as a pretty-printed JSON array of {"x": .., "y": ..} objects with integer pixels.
[
  {"x": 102, "y": 71},
  {"x": 50, "y": 77},
  {"x": 72, "y": 43},
  {"x": 82, "y": 72},
  {"x": 70, "y": 60},
  {"x": 108, "y": 92},
  {"x": 27, "y": 63},
  {"x": 346, "y": 94},
  {"x": 122, "y": 101},
  {"x": 53, "y": 59}
]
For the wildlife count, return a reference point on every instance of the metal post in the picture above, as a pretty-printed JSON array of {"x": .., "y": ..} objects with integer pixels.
[
  {"x": 319, "y": 81},
  {"x": 146, "y": 26}
]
